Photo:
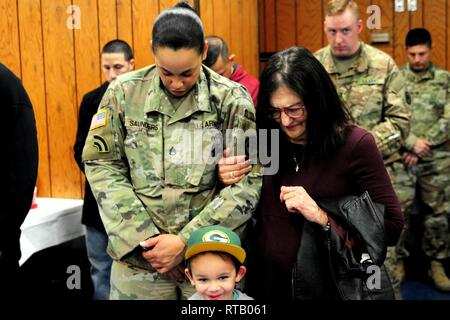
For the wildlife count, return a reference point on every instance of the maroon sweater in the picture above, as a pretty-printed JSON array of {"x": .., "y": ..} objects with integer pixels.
[
  {"x": 247, "y": 80},
  {"x": 356, "y": 167}
]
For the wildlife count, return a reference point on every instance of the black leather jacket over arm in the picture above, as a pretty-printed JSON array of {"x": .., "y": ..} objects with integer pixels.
[{"x": 329, "y": 266}]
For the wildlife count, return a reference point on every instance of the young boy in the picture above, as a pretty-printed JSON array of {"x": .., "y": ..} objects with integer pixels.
[{"x": 214, "y": 259}]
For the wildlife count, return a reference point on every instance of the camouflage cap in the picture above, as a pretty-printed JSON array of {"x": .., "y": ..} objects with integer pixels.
[{"x": 215, "y": 238}]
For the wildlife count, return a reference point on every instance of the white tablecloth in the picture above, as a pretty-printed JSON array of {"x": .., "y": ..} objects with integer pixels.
[{"x": 53, "y": 222}]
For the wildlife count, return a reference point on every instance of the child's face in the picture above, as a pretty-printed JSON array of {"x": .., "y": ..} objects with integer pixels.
[{"x": 214, "y": 276}]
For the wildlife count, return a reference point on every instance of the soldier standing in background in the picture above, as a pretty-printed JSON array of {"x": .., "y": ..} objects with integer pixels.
[
  {"x": 368, "y": 82},
  {"x": 150, "y": 193},
  {"x": 427, "y": 151}
]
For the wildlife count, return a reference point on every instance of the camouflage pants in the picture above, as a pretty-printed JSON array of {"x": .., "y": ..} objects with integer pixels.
[
  {"x": 432, "y": 180},
  {"x": 133, "y": 283}
]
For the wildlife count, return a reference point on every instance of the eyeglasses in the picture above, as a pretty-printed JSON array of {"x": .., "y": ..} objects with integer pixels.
[{"x": 296, "y": 110}]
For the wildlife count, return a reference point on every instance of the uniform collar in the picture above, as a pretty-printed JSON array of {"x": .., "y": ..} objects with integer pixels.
[
  {"x": 423, "y": 75},
  {"x": 362, "y": 63}
]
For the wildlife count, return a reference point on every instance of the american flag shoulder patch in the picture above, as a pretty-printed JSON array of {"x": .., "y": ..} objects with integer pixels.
[{"x": 98, "y": 120}]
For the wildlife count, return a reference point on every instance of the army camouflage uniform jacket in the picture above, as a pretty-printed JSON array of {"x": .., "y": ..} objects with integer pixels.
[
  {"x": 139, "y": 159},
  {"x": 429, "y": 95},
  {"x": 373, "y": 92}
]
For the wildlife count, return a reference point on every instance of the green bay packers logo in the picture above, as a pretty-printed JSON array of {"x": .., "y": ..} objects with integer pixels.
[
  {"x": 216, "y": 236},
  {"x": 100, "y": 144}
]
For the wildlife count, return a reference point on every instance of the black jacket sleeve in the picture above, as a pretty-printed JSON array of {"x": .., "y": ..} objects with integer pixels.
[
  {"x": 88, "y": 108},
  {"x": 82, "y": 131},
  {"x": 370, "y": 173},
  {"x": 19, "y": 161}
]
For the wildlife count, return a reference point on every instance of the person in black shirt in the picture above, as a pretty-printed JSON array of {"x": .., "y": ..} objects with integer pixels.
[
  {"x": 117, "y": 58},
  {"x": 19, "y": 162}
]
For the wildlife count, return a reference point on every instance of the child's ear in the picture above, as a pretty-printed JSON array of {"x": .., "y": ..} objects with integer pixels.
[
  {"x": 241, "y": 273},
  {"x": 189, "y": 276}
]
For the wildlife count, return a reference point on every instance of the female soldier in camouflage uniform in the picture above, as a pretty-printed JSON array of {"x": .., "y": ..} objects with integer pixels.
[{"x": 142, "y": 159}]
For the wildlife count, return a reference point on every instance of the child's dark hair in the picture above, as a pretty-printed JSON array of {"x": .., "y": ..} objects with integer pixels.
[
  {"x": 223, "y": 255},
  {"x": 178, "y": 27}
]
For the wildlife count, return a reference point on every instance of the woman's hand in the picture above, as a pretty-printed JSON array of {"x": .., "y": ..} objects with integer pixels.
[
  {"x": 297, "y": 200},
  {"x": 232, "y": 168}
]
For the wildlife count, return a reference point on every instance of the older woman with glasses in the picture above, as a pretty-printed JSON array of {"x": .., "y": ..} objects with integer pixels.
[{"x": 322, "y": 156}]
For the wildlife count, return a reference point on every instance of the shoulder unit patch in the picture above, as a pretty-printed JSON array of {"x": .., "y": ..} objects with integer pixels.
[{"x": 101, "y": 144}]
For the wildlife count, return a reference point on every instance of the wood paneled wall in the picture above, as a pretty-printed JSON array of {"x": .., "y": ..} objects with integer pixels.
[
  {"x": 59, "y": 64},
  {"x": 236, "y": 21},
  {"x": 284, "y": 23}
]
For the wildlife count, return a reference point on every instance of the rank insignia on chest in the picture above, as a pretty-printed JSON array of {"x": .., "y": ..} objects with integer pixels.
[{"x": 407, "y": 97}]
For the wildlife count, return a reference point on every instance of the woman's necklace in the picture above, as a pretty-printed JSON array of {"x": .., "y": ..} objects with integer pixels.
[
  {"x": 297, "y": 166},
  {"x": 302, "y": 157}
]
